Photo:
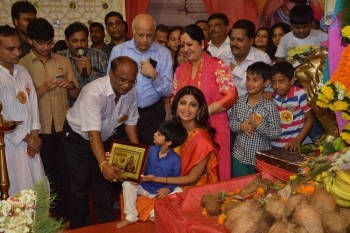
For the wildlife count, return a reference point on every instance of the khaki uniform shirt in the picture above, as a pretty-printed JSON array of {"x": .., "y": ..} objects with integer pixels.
[{"x": 53, "y": 105}]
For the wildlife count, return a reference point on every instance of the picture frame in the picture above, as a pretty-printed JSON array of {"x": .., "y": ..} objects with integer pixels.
[{"x": 131, "y": 157}]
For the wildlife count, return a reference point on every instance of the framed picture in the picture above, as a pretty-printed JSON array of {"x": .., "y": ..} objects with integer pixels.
[{"x": 130, "y": 157}]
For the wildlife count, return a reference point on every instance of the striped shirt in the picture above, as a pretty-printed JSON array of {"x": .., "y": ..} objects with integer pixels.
[
  {"x": 296, "y": 104},
  {"x": 245, "y": 146},
  {"x": 99, "y": 64}
]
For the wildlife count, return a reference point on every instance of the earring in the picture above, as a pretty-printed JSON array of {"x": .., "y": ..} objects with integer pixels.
[
  {"x": 197, "y": 116},
  {"x": 202, "y": 46}
]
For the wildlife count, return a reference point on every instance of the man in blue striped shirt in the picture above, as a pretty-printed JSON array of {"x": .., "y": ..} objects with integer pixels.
[{"x": 154, "y": 79}]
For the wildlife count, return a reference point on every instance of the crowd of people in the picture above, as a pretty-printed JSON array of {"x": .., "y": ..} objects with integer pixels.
[{"x": 204, "y": 97}]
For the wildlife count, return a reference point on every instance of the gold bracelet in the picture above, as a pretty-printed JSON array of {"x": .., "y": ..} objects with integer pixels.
[
  {"x": 166, "y": 180},
  {"x": 101, "y": 165}
]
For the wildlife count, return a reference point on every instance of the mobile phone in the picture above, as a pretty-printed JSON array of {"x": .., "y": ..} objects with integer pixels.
[
  {"x": 153, "y": 63},
  {"x": 58, "y": 77}
]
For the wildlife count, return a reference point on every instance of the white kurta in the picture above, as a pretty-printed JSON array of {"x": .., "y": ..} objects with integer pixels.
[{"x": 24, "y": 172}]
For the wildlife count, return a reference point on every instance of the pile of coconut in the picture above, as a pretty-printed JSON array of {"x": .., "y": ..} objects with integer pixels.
[{"x": 300, "y": 213}]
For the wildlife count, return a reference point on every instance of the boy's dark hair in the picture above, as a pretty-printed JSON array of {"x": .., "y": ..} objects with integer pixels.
[
  {"x": 283, "y": 67},
  {"x": 7, "y": 31},
  {"x": 248, "y": 25},
  {"x": 22, "y": 7},
  {"x": 111, "y": 14},
  {"x": 163, "y": 28},
  {"x": 75, "y": 27},
  {"x": 60, "y": 45},
  {"x": 301, "y": 14},
  {"x": 40, "y": 29},
  {"x": 97, "y": 25},
  {"x": 174, "y": 132},
  {"x": 175, "y": 28},
  {"x": 221, "y": 16},
  {"x": 260, "y": 68}
]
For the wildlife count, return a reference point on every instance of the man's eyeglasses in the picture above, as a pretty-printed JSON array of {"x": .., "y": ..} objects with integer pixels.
[
  {"x": 125, "y": 81},
  {"x": 42, "y": 43}
]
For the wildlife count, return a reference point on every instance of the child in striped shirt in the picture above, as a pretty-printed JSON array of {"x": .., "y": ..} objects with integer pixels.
[{"x": 296, "y": 116}]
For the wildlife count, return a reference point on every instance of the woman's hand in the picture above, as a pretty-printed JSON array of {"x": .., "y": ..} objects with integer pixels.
[{"x": 148, "y": 178}]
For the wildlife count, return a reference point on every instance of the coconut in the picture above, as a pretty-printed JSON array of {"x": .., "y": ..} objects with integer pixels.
[
  {"x": 292, "y": 203},
  {"x": 247, "y": 207},
  {"x": 279, "y": 227},
  {"x": 334, "y": 222},
  {"x": 265, "y": 222},
  {"x": 295, "y": 228},
  {"x": 323, "y": 201},
  {"x": 206, "y": 199},
  {"x": 229, "y": 206},
  {"x": 306, "y": 216},
  {"x": 247, "y": 222},
  {"x": 248, "y": 189},
  {"x": 243, "y": 224},
  {"x": 276, "y": 208},
  {"x": 213, "y": 208}
]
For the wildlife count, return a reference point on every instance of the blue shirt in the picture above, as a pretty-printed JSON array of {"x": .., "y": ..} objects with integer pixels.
[
  {"x": 148, "y": 91},
  {"x": 168, "y": 166}
]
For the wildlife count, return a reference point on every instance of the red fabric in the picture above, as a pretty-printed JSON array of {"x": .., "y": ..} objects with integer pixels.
[
  {"x": 182, "y": 212},
  {"x": 277, "y": 172},
  {"x": 133, "y": 8},
  {"x": 234, "y": 10},
  {"x": 143, "y": 227},
  {"x": 197, "y": 146}
]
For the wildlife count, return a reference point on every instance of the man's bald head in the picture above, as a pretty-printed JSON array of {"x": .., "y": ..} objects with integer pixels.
[{"x": 143, "y": 27}]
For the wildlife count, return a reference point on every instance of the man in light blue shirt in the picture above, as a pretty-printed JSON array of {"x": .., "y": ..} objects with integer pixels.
[{"x": 154, "y": 79}]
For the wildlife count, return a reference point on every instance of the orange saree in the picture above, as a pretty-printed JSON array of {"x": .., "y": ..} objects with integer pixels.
[{"x": 197, "y": 146}]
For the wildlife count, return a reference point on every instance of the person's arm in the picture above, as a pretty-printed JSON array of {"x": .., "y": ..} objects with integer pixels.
[
  {"x": 234, "y": 122},
  {"x": 163, "y": 82},
  {"x": 47, "y": 86},
  {"x": 227, "y": 89},
  {"x": 131, "y": 132},
  {"x": 110, "y": 173},
  {"x": 72, "y": 84},
  {"x": 271, "y": 125},
  {"x": 309, "y": 121},
  {"x": 190, "y": 179}
]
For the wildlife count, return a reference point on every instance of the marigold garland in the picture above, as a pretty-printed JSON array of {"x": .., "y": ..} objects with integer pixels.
[
  {"x": 342, "y": 73},
  {"x": 345, "y": 134}
]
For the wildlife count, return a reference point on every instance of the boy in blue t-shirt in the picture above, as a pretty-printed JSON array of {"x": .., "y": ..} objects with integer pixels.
[
  {"x": 162, "y": 161},
  {"x": 296, "y": 116}
]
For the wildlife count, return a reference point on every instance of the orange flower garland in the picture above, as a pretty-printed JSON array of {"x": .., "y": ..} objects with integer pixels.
[{"x": 342, "y": 73}]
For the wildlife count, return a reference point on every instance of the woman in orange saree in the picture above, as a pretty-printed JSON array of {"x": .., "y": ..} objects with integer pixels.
[{"x": 199, "y": 162}]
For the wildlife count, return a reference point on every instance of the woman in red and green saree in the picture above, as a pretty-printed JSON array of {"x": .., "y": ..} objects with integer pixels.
[
  {"x": 199, "y": 162},
  {"x": 213, "y": 77}
]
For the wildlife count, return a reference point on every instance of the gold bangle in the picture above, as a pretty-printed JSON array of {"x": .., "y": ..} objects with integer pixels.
[
  {"x": 166, "y": 180},
  {"x": 101, "y": 165}
]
